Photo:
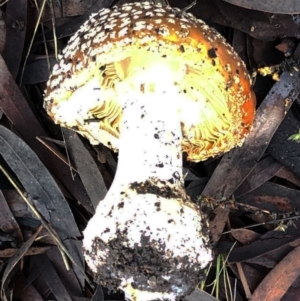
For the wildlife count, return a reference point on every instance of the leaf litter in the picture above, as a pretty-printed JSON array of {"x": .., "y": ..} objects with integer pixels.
[{"x": 251, "y": 194}]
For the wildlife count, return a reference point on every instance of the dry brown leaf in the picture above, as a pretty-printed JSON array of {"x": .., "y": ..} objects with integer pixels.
[
  {"x": 67, "y": 9},
  {"x": 76, "y": 251},
  {"x": 25, "y": 291},
  {"x": 243, "y": 280},
  {"x": 13, "y": 261},
  {"x": 16, "y": 22},
  {"x": 2, "y": 32},
  {"x": 7, "y": 253},
  {"x": 198, "y": 295},
  {"x": 8, "y": 223},
  {"x": 217, "y": 225},
  {"x": 293, "y": 291},
  {"x": 37, "y": 71},
  {"x": 86, "y": 166},
  {"x": 41, "y": 188},
  {"x": 98, "y": 295},
  {"x": 273, "y": 198},
  {"x": 253, "y": 274},
  {"x": 285, "y": 150},
  {"x": 50, "y": 276},
  {"x": 265, "y": 170},
  {"x": 68, "y": 278},
  {"x": 34, "y": 278},
  {"x": 75, "y": 7},
  {"x": 244, "y": 236},
  {"x": 69, "y": 28},
  {"x": 278, "y": 281},
  {"x": 104, "y": 155},
  {"x": 258, "y": 24},
  {"x": 268, "y": 242},
  {"x": 286, "y": 174},
  {"x": 271, "y": 6}
]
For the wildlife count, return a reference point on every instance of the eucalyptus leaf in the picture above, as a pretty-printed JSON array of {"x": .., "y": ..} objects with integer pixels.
[{"x": 38, "y": 183}]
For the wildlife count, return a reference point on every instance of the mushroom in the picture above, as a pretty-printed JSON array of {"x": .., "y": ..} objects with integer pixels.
[{"x": 151, "y": 82}]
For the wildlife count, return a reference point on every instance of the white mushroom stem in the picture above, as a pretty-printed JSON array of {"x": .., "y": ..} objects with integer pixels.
[
  {"x": 150, "y": 141},
  {"x": 146, "y": 237}
]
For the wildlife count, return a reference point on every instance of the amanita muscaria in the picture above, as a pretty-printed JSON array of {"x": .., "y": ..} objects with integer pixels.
[{"x": 151, "y": 82}]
